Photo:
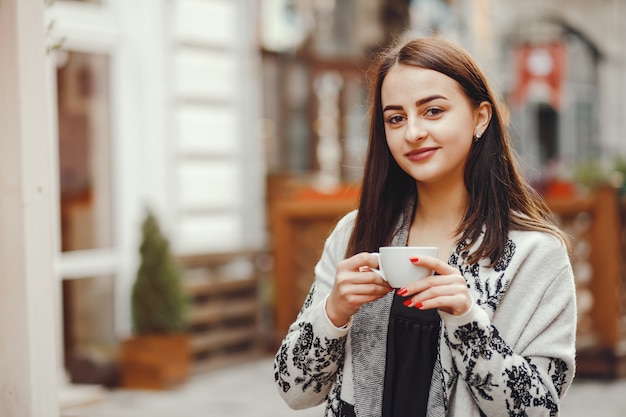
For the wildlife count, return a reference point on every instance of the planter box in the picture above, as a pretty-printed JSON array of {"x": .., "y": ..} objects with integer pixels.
[{"x": 155, "y": 361}]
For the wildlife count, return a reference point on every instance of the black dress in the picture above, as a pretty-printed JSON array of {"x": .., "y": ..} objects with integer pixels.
[{"x": 412, "y": 344}]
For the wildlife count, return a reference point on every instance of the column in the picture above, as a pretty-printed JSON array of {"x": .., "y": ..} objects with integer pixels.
[{"x": 28, "y": 359}]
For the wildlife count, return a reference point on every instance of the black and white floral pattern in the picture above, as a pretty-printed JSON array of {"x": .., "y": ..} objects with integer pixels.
[
  {"x": 281, "y": 370},
  {"x": 523, "y": 381},
  {"x": 476, "y": 343},
  {"x": 491, "y": 290},
  {"x": 333, "y": 407},
  {"x": 558, "y": 373},
  {"x": 503, "y": 263},
  {"x": 312, "y": 356},
  {"x": 309, "y": 299}
]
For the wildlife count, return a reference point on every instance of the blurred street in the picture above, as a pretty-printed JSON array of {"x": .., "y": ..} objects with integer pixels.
[{"x": 248, "y": 390}]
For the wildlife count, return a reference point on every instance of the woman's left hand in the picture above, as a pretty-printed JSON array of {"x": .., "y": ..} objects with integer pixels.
[{"x": 447, "y": 291}]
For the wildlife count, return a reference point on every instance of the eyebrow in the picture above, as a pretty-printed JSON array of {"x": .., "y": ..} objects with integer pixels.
[{"x": 417, "y": 103}]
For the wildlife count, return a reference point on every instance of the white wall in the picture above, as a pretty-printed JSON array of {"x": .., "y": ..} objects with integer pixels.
[{"x": 217, "y": 163}]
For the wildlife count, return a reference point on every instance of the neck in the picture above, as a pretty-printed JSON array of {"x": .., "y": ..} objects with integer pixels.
[{"x": 444, "y": 206}]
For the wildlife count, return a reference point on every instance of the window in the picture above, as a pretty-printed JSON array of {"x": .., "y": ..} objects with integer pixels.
[{"x": 84, "y": 150}]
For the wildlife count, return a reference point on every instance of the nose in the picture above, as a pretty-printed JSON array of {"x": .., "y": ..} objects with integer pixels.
[{"x": 415, "y": 129}]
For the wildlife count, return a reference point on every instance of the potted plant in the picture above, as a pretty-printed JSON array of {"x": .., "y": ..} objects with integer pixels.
[{"x": 158, "y": 354}]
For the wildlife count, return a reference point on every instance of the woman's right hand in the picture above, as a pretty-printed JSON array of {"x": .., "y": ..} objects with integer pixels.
[{"x": 355, "y": 284}]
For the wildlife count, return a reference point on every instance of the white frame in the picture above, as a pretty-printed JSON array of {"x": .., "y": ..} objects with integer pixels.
[{"x": 93, "y": 28}]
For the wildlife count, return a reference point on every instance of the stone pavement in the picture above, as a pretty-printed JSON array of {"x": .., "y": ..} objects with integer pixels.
[{"x": 248, "y": 390}]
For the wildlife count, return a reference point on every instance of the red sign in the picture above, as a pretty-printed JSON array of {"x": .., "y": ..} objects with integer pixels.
[{"x": 542, "y": 66}]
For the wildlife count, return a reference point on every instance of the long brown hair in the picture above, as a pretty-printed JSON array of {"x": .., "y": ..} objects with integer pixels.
[{"x": 499, "y": 198}]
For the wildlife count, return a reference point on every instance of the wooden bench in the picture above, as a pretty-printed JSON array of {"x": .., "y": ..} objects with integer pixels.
[{"x": 225, "y": 308}]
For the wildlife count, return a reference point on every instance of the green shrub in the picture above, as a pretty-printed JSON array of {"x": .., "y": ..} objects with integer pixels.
[{"x": 158, "y": 299}]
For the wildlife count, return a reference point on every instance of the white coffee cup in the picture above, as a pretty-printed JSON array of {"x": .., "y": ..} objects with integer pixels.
[{"x": 395, "y": 267}]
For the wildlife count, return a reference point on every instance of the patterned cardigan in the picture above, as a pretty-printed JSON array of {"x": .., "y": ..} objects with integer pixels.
[{"x": 512, "y": 354}]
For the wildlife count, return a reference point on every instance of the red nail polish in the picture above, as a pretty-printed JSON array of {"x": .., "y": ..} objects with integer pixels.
[
  {"x": 408, "y": 302},
  {"x": 419, "y": 305},
  {"x": 402, "y": 291},
  {"x": 414, "y": 259}
]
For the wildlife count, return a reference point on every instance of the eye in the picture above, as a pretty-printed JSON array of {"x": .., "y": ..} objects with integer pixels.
[
  {"x": 395, "y": 119},
  {"x": 433, "y": 111}
]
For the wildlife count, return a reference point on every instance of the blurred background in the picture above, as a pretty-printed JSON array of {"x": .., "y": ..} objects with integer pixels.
[{"x": 241, "y": 124}]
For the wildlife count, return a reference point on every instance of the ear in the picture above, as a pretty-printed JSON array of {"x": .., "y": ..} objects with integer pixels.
[{"x": 483, "y": 117}]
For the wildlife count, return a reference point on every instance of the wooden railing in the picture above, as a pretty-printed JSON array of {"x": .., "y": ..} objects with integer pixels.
[
  {"x": 596, "y": 223},
  {"x": 299, "y": 230}
]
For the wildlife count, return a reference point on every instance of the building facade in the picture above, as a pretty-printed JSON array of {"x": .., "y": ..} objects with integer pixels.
[
  {"x": 580, "y": 113},
  {"x": 154, "y": 105}
]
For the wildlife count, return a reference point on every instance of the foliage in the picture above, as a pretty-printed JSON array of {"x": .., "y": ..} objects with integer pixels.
[
  {"x": 620, "y": 165},
  {"x": 158, "y": 300},
  {"x": 594, "y": 173},
  {"x": 52, "y": 45},
  {"x": 590, "y": 173}
]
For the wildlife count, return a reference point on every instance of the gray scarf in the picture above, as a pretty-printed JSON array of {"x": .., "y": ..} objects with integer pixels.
[{"x": 369, "y": 343}]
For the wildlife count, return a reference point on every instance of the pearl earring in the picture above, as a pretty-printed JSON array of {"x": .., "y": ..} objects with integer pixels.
[{"x": 478, "y": 135}]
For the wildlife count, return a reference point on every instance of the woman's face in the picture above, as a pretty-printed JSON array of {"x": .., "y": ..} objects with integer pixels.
[{"x": 429, "y": 123}]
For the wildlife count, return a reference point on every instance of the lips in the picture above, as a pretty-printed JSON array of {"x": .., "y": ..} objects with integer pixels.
[{"x": 421, "y": 154}]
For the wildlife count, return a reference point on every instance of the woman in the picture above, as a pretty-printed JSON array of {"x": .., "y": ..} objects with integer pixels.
[{"x": 492, "y": 331}]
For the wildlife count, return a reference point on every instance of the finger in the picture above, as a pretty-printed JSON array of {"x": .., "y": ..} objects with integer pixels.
[
  {"x": 448, "y": 299},
  {"x": 359, "y": 278},
  {"x": 364, "y": 288},
  {"x": 355, "y": 299},
  {"x": 433, "y": 281},
  {"x": 435, "y": 264},
  {"x": 452, "y": 304},
  {"x": 373, "y": 289},
  {"x": 354, "y": 262},
  {"x": 378, "y": 280},
  {"x": 340, "y": 308},
  {"x": 451, "y": 289}
]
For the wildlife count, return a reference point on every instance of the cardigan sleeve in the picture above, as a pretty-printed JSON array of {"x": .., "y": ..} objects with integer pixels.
[
  {"x": 312, "y": 352},
  {"x": 529, "y": 370}
]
